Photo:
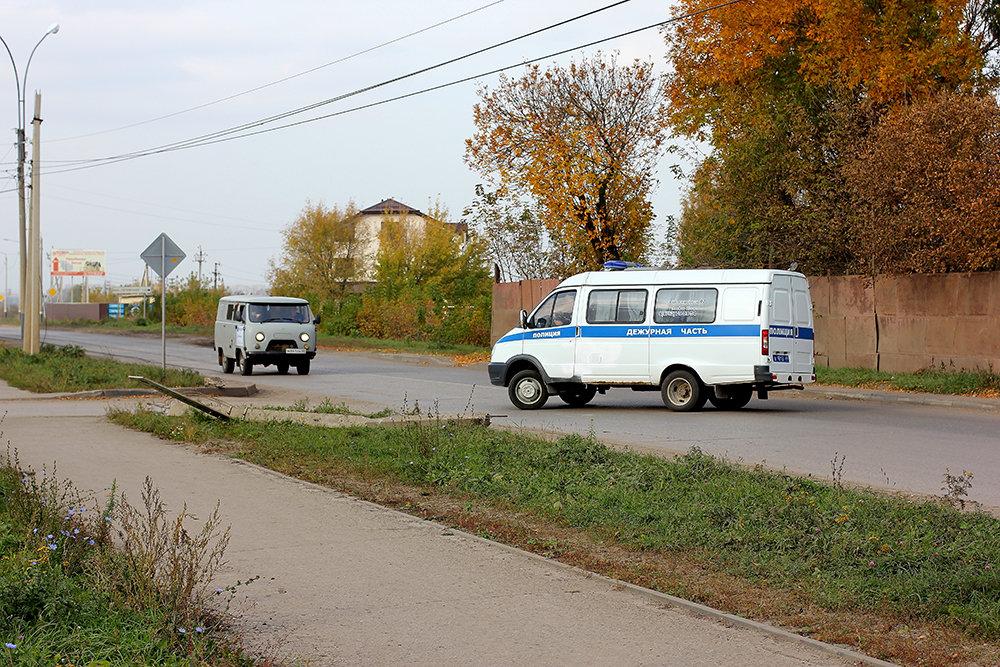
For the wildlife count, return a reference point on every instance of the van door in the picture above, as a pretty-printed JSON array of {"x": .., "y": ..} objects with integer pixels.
[
  {"x": 614, "y": 338},
  {"x": 551, "y": 336},
  {"x": 781, "y": 326},
  {"x": 802, "y": 360}
]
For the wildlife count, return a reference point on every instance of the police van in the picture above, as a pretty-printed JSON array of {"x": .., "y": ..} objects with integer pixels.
[
  {"x": 263, "y": 331},
  {"x": 717, "y": 335}
]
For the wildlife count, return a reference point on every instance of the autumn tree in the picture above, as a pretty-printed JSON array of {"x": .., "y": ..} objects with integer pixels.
[
  {"x": 516, "y": 240},
  {"x": 431, "y": 282},
  {"x": 584, "y": 142},
  {"x": 928, "y": 184},
  {"x": 320, "y": 253},
  {"x": 784, "y": 91}
]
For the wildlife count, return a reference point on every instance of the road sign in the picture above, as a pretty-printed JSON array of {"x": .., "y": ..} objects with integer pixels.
[
  {"x": 133, "y": 290},
  {"x": 162, "y": 255}
]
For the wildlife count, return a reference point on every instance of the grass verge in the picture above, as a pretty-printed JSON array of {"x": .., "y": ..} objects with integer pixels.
[
  {"x": 68, "y": 368},
  {"x": 105, "y": 585},
  {"x": 914, "y": 582},
  {"x": 935, "y": 380}
]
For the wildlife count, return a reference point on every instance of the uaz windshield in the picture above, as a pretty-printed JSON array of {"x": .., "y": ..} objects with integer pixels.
[{"x": 277, "y": 313}]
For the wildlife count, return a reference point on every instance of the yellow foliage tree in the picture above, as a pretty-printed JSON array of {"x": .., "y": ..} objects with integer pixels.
[
  {"x": 320, "y": 253},
  {"x": 584, "y": 141}
]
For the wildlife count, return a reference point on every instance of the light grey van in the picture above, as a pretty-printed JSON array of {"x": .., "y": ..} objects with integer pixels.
[{"x": 263, "y": 330}]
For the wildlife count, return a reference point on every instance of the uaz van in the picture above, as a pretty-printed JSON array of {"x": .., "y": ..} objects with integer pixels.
[
  {"x": 717, "y": 335},
  {"x": 264, "y": 330}
]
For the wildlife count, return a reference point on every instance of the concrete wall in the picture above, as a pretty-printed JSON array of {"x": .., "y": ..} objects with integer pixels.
[
  {"x": 922, "y": 320},
  {"x": 903, "y": 323},
  {"x": 76, "y": 311}
]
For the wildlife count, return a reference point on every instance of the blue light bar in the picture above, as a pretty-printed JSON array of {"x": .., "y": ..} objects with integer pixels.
[{"x": 619, "y": 265}]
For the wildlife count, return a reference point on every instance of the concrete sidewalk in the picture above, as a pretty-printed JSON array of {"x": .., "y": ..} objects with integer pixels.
[{"x": 345, "y": 582}]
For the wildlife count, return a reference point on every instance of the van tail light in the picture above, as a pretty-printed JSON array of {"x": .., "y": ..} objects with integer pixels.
[{"x": 765, "y": 347}]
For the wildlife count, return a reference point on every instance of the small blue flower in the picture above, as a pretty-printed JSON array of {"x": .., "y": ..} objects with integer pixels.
[
  {"x": 92, "y": 543},
  {"x": 53, "y": 546},
  {"x": 199, "y": 629},
  {"x": 182, "y": 631},
  {"x": 9, "y": 645}
]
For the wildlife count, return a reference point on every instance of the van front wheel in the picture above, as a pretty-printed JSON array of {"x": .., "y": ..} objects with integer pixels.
[
  {"x": 246, "y": 366},
  {"x": 682, "y": 392},
  {"x": 527, "y": 391}
]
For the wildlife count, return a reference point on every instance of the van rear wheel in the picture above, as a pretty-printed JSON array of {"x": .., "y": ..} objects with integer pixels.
[
  {"x": 527, "y": 391},
  {"x": 227, "y": 364},
  {"x": 682, "y": 391},
  {"x": 578, "y": 396},
  {"x": 739, "y": 396}
]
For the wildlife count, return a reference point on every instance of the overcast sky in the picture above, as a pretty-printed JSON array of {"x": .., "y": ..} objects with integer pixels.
[{"x": 123, "y": 77}]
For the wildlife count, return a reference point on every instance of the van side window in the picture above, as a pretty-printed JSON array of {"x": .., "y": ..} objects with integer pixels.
[
  {"x": 685, "y": 306},
  {"x": 616, "y": 307},
  {"x": 556, "y": 311}
]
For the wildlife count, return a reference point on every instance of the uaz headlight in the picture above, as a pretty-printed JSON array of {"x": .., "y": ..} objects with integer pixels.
[
  {"x": 260, "y": 335},
  {"x": 304, "y": 337}
]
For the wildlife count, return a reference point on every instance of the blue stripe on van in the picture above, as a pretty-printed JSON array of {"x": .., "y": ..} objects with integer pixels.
[
  {"x": 803, "y": 333},
  {"x": 539, "y": 334},
  {"x": 671, "y": 331}
]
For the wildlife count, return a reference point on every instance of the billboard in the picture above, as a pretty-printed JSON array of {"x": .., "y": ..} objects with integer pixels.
[{"x": 78, "y": 262}]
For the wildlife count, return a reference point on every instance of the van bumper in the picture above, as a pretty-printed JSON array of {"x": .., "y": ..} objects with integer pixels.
[
  {"x": 496, "y": 371},
  {"x": 268, "y": 358}
]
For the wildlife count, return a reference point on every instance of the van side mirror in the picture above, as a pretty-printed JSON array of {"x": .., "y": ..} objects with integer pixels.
[
  {"x": 524, "y": 319},
  {"x": 318, "y": 319}
]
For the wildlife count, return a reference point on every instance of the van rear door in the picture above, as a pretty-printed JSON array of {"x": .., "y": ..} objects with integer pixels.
[
  {"x": 781, "y": 326},
  {"x": 802, "y": 361},
  {"x": 790, "y": 328}
]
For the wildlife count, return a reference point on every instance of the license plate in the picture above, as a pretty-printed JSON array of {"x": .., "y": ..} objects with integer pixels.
[
  {"x": 780, "y": 358},
  {"x": 294, "y": 350}
]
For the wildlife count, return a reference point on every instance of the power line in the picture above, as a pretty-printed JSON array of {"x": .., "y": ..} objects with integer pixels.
[
  {"x": 287, "y": 78},
  {"x": 212, "y": 137},
  {"x": 243, "y": 131}
]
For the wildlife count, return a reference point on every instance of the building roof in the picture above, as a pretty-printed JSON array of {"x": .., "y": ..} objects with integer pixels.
[{"x": 391, "y": 207}]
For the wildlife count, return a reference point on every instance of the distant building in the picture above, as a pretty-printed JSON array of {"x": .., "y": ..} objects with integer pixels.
[{"x": 368, "y": 229}]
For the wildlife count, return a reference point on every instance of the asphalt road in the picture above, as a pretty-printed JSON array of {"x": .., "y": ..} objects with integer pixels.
[{"x": 899, "y": 446}]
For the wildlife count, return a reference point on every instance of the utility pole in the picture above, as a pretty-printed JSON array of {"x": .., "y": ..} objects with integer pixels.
[
  {"x": 200, "y": 257},
  {"x": 33, "y": 272},
  {"x": 215, "y": 283}
]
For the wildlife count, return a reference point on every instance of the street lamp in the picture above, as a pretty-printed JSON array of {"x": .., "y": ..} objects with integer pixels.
[{"x": 22, "y": 86}]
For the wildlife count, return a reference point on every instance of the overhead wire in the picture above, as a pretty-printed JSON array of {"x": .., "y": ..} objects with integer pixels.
[
  {"x": 287, "y": 78},
  {"x": 209, "y": 138},
  {"x": 247, "y": 129}
]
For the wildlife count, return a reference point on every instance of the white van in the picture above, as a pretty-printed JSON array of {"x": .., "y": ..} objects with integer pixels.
[
  {"x": 707, "y": 334},
  {"x": 263, "y": 330}
]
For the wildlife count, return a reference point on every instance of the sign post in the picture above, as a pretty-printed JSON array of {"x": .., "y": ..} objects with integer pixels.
[{"x": 163, "y": 256}]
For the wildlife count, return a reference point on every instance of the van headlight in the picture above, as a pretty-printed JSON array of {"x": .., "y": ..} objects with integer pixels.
[
  {"x": 260, "y": 335},
  {"x": 304, "y": 337}
]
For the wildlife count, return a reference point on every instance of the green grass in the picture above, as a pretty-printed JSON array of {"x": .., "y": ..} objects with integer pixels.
[
  {"x": 937, "y": 380},
  {"x": 853, "y": 551},
  {"x": 407, "y": 346},
  {"x": 69, "y": 596},
  {"x": 68, "y": 369}
]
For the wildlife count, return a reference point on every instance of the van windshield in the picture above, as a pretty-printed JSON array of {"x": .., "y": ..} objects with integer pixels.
[{"x": 267, "y": 312}]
